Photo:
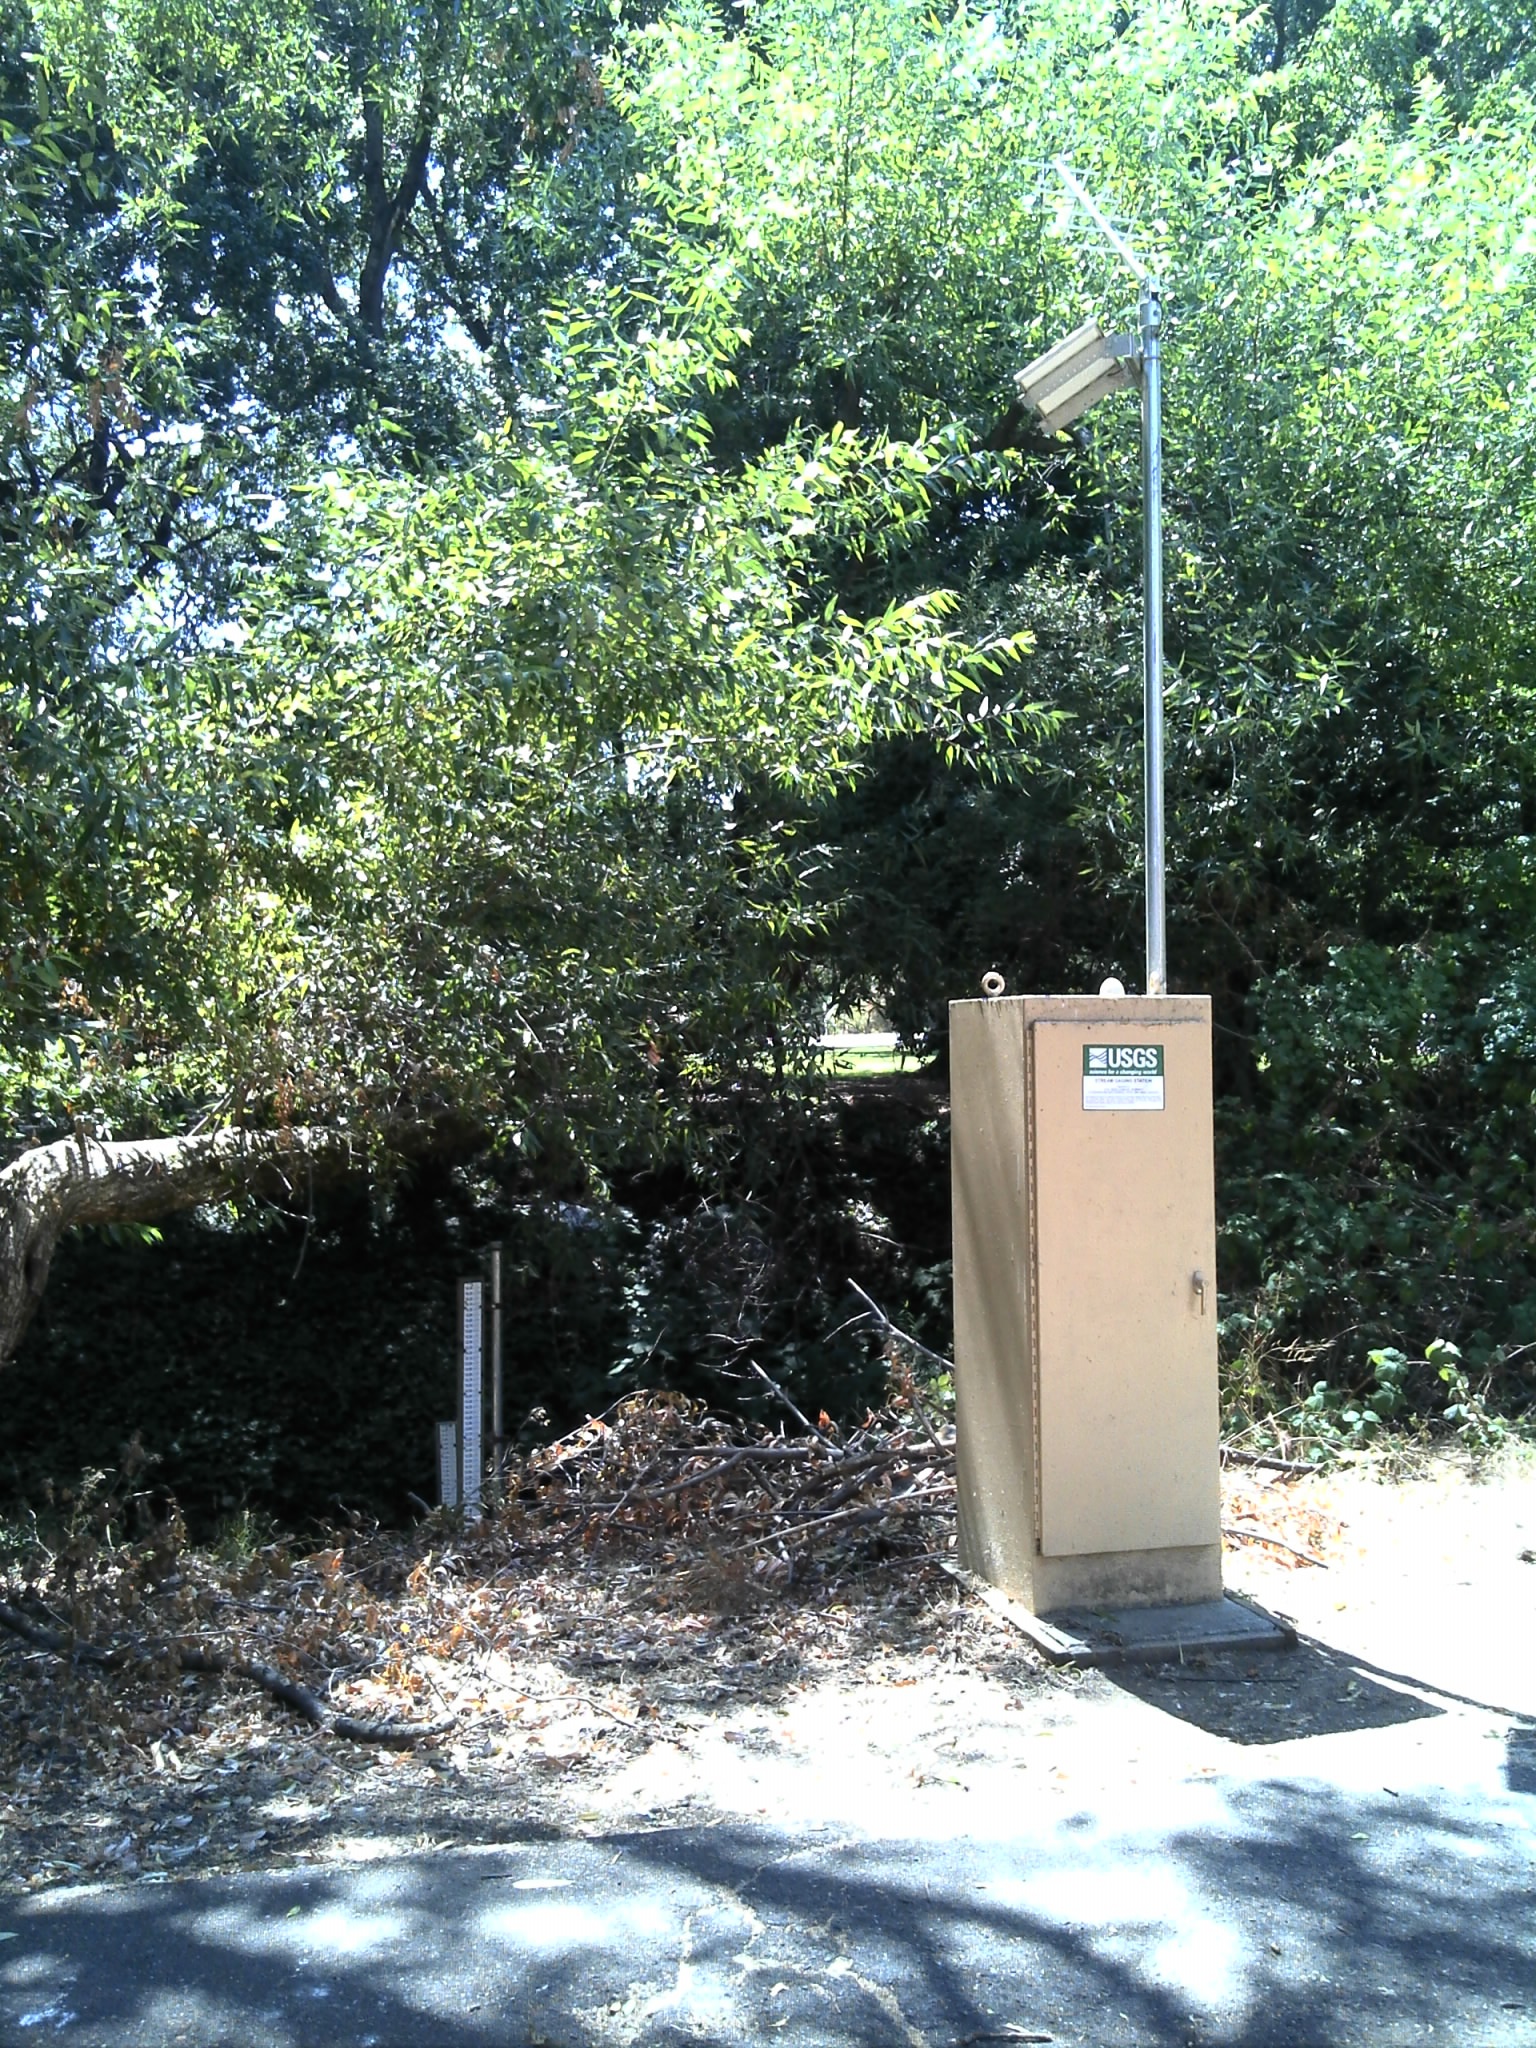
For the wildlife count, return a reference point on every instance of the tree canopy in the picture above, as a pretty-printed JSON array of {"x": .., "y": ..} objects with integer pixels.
[{"x": 523, "y": 583}]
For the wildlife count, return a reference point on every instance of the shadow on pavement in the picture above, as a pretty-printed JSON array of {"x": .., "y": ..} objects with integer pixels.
[
  {"x": 1277, "y": 1696},
  {"x": 1261, "y": 1915}
]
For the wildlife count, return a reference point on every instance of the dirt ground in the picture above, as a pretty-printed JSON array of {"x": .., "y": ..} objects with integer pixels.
[{"x": 595, "y": 1689}]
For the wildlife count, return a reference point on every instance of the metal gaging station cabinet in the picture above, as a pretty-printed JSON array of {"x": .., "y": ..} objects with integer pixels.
[{"x": 1085, "y": 1298}]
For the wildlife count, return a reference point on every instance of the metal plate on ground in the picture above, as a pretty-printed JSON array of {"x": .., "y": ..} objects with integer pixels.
[
  {"x": 1142, "y": 1635},
  {"x": 1150, "y": 1635}
]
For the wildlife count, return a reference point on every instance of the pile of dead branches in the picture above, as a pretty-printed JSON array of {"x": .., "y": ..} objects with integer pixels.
[
  {"x": 659, "y": 1471},
  {"x": 375, "y": 1635}
]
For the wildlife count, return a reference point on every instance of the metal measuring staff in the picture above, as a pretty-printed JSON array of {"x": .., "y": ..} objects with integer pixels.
[
  {"x": 1061, "y": 385},
  {"x": 498, "y": 1400}
]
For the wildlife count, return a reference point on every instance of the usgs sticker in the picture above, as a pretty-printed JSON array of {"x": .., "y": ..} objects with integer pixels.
[{"x": 1122, "y": 1077}]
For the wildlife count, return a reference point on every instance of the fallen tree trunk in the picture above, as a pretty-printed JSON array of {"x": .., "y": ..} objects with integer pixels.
[{"x": 133, "y": 1180}]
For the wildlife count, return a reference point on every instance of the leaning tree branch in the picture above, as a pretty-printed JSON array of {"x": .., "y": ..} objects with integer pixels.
[
  {"x": 388, "y": 213},
  {"x": 82, "y": 1179}
]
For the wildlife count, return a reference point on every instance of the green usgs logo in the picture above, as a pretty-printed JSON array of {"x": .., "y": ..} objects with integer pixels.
[{"x": 1108, "y": 1060}]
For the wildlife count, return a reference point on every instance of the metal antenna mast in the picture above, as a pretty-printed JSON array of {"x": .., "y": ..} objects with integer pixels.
[{"x": 1150, "y": 354}]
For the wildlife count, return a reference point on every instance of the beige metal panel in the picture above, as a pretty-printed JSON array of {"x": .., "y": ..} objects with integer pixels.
[
  {"x": 1124, "y": 1218},
  {"x": 1061, "y": 362},
  {"x": 1070, "y": 377},
  {"x": 995, "y": 1431},
  {"x": 1069, "y": 400}
]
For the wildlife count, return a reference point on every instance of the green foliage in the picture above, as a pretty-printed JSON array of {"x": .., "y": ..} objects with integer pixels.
[
  {"x": 1394, "y": 1393},
  {"x": 1331, "y": 1419},
  {"x": 431, "y": 813},
  {"x": 1338, "y": 1418},
  {"x": 1380, "y": 1174},
  {"x": 521, "y": 586},
  {"x": 1467, "y": 1411}
]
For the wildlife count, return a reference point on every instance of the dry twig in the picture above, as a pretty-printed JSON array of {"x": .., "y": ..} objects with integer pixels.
[
  {"x": 1290, "y": 1467},
  {"x": 1274, "y": 1542}
]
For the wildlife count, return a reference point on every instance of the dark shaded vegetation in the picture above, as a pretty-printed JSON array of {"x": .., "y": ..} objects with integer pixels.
[{"x": 297, "y": 1364}]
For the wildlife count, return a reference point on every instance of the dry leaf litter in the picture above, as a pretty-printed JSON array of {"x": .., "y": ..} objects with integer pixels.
[{"x": 166, "y": 1707}]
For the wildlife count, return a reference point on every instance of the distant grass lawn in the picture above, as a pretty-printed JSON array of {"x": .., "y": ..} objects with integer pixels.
[
  {"x": 857, "y": 1055},
  {"x": 865, "y": 1052}
]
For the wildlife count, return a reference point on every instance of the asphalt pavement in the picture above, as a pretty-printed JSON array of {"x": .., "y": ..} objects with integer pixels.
[
  {"x": 1236, "y": 1908},
  {"x": 1345, "y": 1853}
]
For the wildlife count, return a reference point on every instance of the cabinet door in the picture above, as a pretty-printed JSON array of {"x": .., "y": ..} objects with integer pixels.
[{"x": 1123, "y": 1205}]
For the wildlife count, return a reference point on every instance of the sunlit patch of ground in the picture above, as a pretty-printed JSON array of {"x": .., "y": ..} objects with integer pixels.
[{"x": 618, "y": 1650}]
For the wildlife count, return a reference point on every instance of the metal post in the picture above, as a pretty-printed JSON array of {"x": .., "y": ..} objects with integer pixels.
[
  {"x": 1152, "y": 598},
  {"x": 497, "y": 1405},
  {"x": 471, "y": 1366},
  {"x": 448, "y": 1464}
]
